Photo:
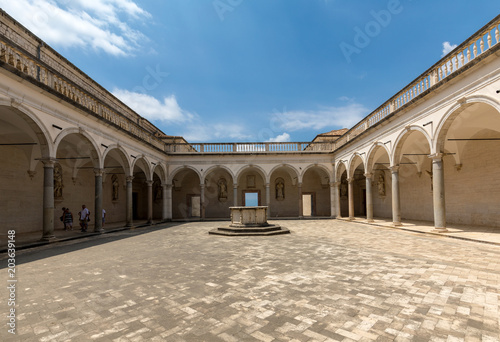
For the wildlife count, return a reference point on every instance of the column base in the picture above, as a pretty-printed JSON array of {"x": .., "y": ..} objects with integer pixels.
[
  {"x": 439, "y": 230},
  {"x": 351, "y": 218},
  {"x": 48, "y": 238},
  {"x": 100, "y": 231},
  {"x": 370, "y": 220},
  {"x": 397, "y": 224}
]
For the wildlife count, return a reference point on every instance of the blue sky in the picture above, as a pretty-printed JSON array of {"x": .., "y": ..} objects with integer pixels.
[{"x": 252, "y": 70}]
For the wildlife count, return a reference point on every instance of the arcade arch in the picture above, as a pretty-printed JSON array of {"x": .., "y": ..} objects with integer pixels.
[
  {"x": 26, "y": 172},
  {"x": 284, "y": 195},
  {"x": 219, "y": 194},
  {"x": 469, "y": 141},
  {"x": 187, "y": 194}
]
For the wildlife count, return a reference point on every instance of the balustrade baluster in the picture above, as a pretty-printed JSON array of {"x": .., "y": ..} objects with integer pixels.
[
  {"x": 468, "y": 55},
  {"x": 497, "y": 34},
  {"x": 481, "y": 45},
  {"x": 489, "y": 40},
  {"x": 474, "y": 49}
]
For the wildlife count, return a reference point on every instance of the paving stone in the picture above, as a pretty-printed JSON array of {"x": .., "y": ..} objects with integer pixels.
[{"x": 328, "y": 280}]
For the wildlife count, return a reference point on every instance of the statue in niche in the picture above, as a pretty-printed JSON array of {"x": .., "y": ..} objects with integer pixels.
[
  {"x": 158, "y": 190},
  {"x": 381, "y": 184},
  {"x": 58, "y": 181},
  {"x": 343, "y": 189},
  {"x": 280, "y": 189},
  {"x": 431, "y": 175},
  {"x": 115, "y": 185},
  {"x": 222, "y": 184}
]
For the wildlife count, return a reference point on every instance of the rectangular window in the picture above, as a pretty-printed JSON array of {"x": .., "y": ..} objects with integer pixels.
[{"x": 251, "y": 199}]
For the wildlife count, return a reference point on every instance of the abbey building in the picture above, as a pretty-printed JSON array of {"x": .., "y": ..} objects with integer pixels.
[{"x": 428, "y": 153}]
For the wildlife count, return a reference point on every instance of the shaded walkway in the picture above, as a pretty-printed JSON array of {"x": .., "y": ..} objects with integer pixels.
[{"x": 457, "y": 231}]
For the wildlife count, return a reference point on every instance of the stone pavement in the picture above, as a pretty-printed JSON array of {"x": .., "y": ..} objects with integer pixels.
[{"x": 327, "y": 281}]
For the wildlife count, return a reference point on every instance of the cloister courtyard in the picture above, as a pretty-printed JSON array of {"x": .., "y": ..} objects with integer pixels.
[{"x": 329, "y": 280}]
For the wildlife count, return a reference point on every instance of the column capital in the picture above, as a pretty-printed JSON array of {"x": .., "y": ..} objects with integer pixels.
[
  {"x": 235, "y": 185},
  {"x": 436, "y": 156},
  {"x": 394, "y": 168},
  {"x": 98, "y": 172},
  {"x": 49, "y": 162},
  {"x": 268, "y": 185},
  {"x": 129, "y": 179},
  {"x": 149, "y": 182},
  {"x": 368, "y": 175},
  {"x": 350, "y": 180},
  {"x": 167, "y": 186},
  {"x": 337, "y": 184}
]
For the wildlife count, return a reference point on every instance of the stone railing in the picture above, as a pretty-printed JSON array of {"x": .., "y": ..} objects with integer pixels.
[
  {"x": 457, "y": 60},
  {"x": 31, "y": 57},
  {"x": 265, "y": 147}
]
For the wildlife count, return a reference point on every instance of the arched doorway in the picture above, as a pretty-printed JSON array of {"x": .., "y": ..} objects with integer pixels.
[
  {"x": 316, "y": 192},
  {"x": 251, "y": 187},
  {"x": 186, "y": 195}
]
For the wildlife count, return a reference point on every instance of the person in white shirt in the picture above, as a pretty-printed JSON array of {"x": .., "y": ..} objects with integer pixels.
[{"x": 84, "y": 218}]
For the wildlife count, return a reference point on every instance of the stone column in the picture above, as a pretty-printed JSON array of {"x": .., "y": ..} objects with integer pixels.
[
  {"x": 301, "y": 204},
  {"x": 396, "y": 204},
  {"x": 369, "y": 197},
  {"x": 338, "y": 212},
  {"x": 268, "y": 200},
  {"x": 164, "y": 202},
  {"x": 167, "y": 202},
  {"x": 332, "y": 200},
  {"x": 48, "y": 199},
  {"x": 350, "y": 197},
  {"x": 438, "y": 193},
  {"x": 235, "y": 195},
  {"x": 128, "y": 203},
  {"x": 150, "y": 201},
  {"x": 202, "y": 201},
  {"x": 98, "y": 201}
]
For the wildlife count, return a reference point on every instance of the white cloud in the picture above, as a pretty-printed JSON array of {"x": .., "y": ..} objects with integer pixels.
[
  {"x": 97, "y": 24},
  {"x": 153, "y": 109},
  {"x": 285, "y": 137},
  {"x": 216, "y": 131},
  {"x": 320, "y": 119},
  {"x": 447, "y": 48}
]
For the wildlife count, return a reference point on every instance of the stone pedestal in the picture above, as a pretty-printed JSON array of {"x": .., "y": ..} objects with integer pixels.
[
  {"x": 248, "y": 217},
  {"x": 249, "y": 221}
]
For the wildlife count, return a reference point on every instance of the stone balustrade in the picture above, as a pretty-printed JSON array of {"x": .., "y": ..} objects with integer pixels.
[
  {"x": 265, "y": 147},
  {"x": 457, "y": 60},
  {"x": 25, "y": 52}
]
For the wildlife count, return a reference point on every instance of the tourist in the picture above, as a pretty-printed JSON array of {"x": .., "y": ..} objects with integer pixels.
[
  {"x": 68, "y": 219},
  {"x": 103, "y": 216},
  {"x": 84, "y": 218}
]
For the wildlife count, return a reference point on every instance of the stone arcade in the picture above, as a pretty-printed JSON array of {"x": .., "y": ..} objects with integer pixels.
[{"x": 428, "y": 153}]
